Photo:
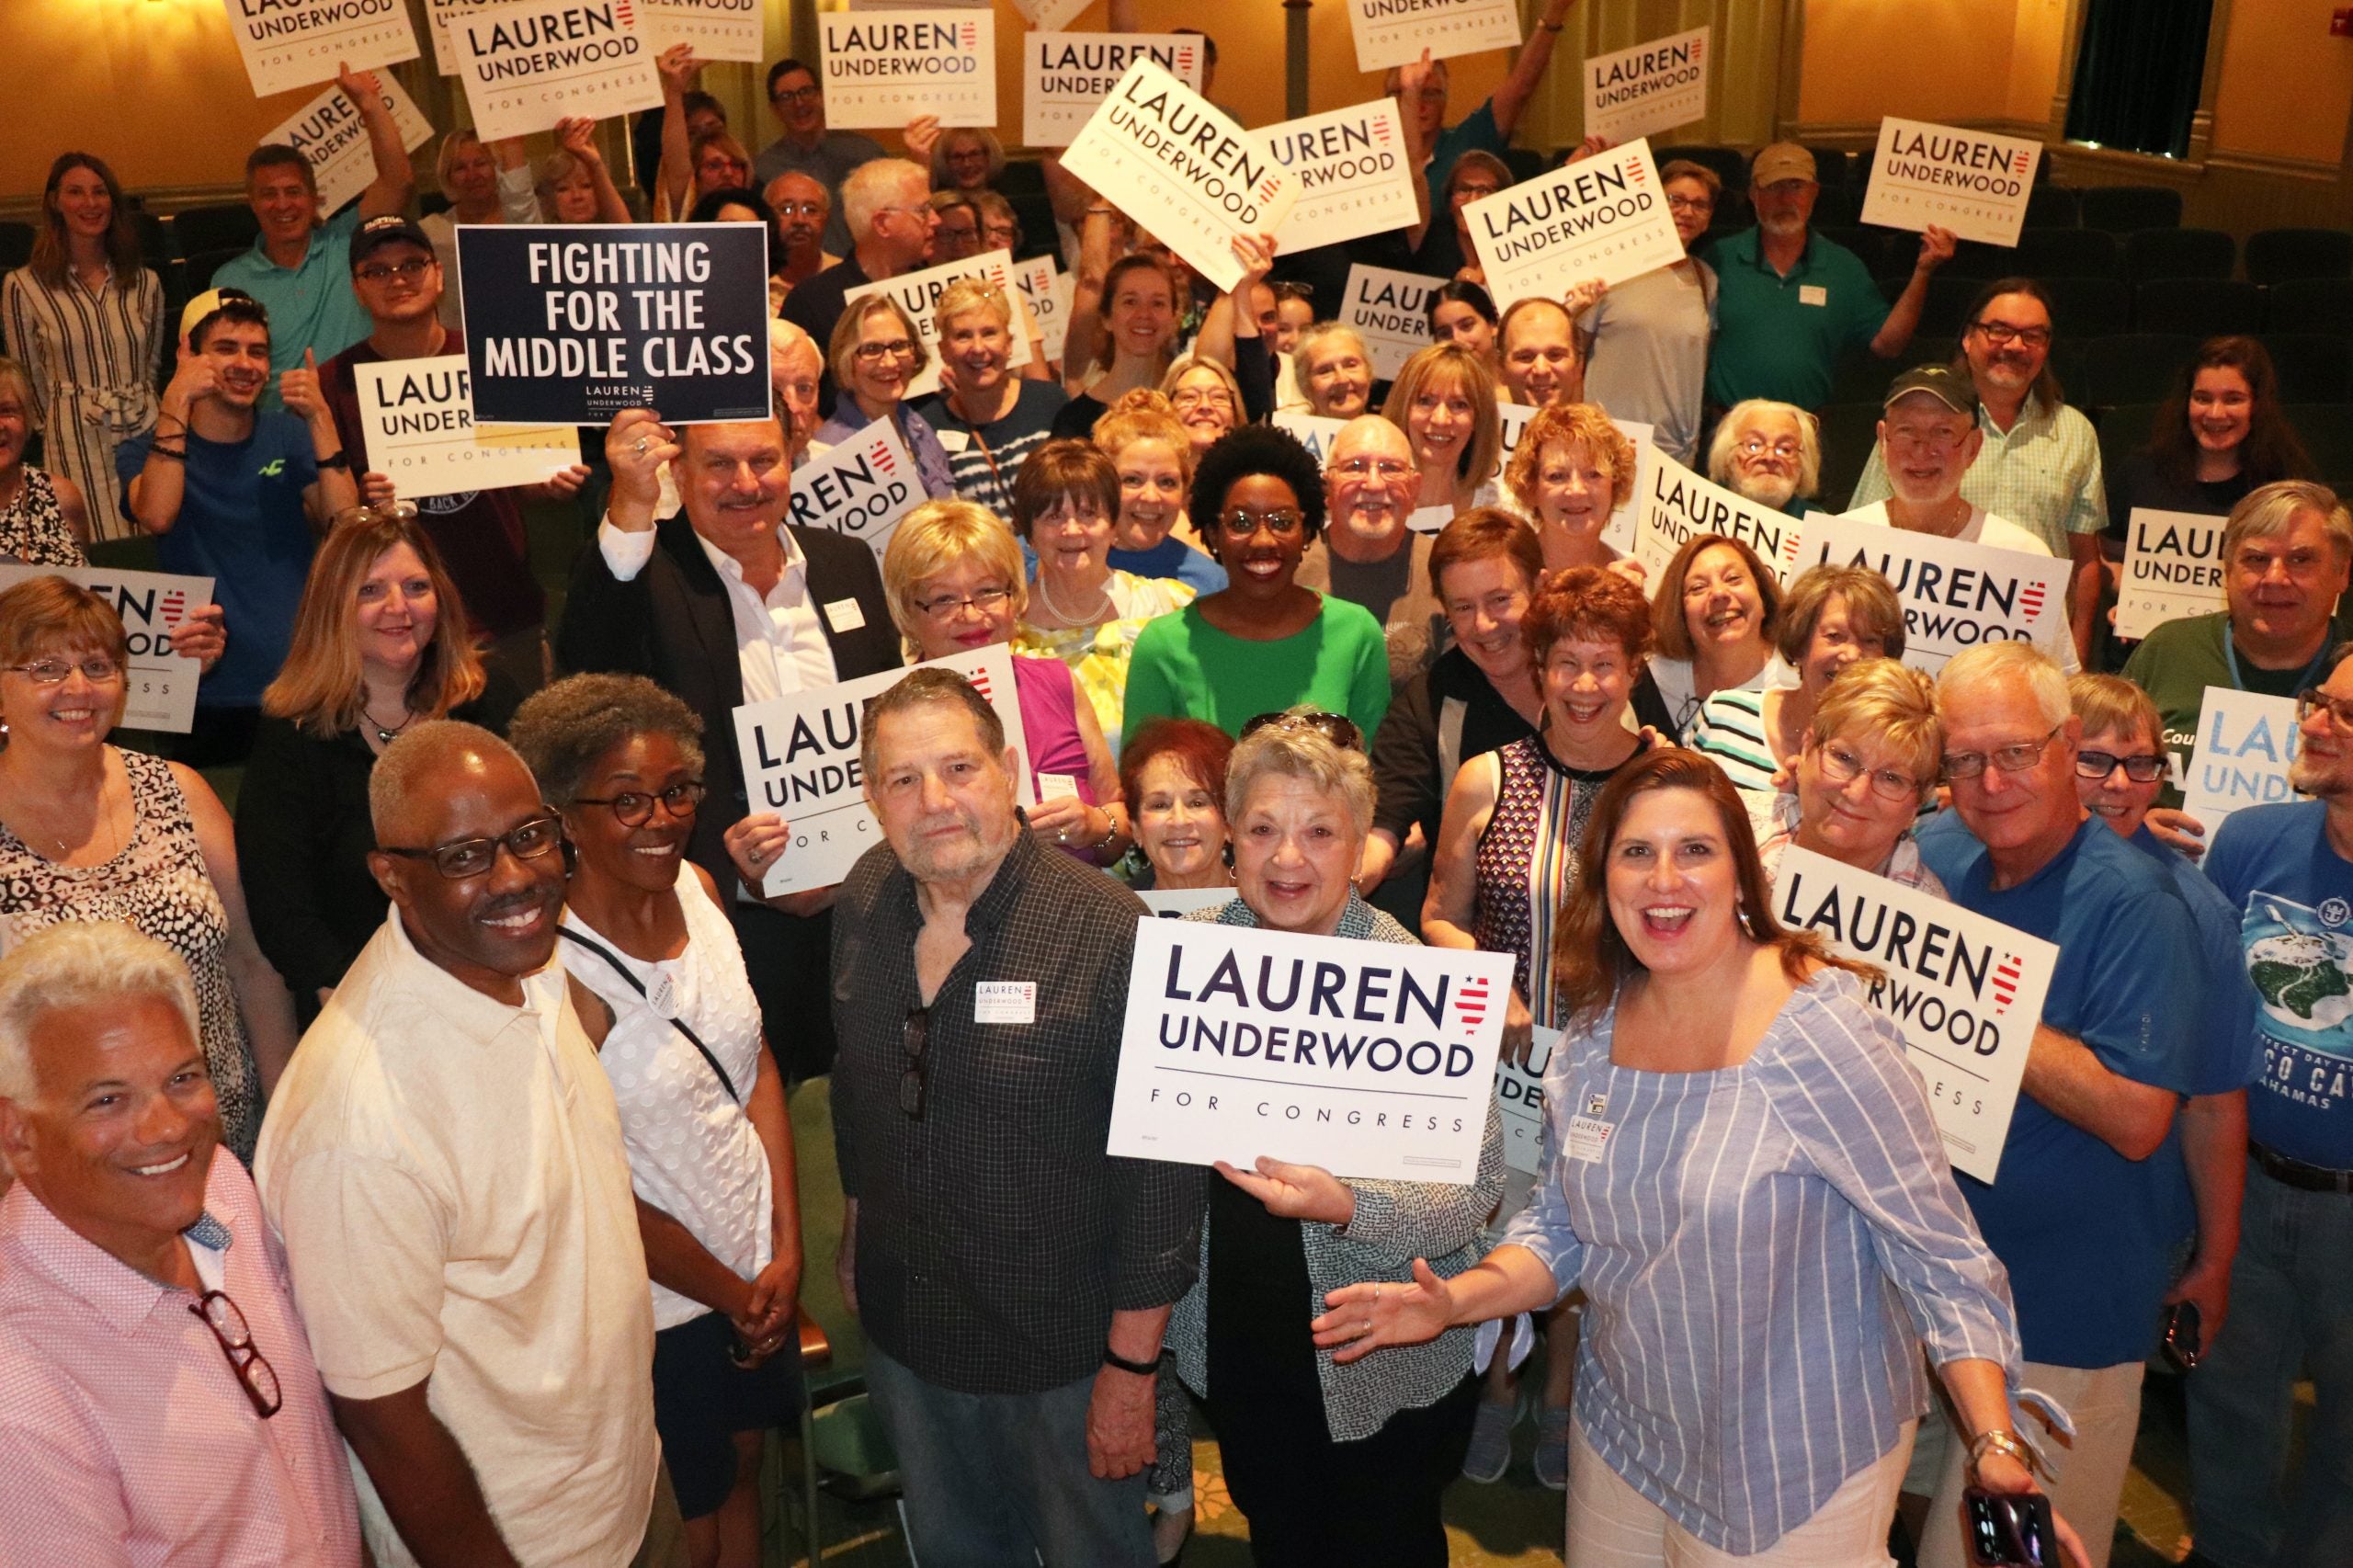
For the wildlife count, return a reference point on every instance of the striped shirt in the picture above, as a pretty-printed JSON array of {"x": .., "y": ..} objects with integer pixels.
[
  {"x": 91, "y": 357},
  {"x": 1763, "y": 1247},
  {"x": 1730, "y": 731},
  {"x": 2043, "y": 473},
  {"x": 1775, "y": 820}
]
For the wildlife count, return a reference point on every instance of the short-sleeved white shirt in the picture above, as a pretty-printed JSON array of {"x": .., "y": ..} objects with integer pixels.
[{"x": 449, "y": 1176}]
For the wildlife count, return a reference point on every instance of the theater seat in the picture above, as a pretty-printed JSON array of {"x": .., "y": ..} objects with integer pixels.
[
  {"x": 2133, "y": 367},
  {"x": 223, "y": 226},
  {"x": 2310, "y": 304},
  {"x": 2086, "y": 308},
  {"x": 2313, "y": 368},
  {"x": 2207, "y": 306},
  {"x": 1849, "y": 431},
  {"x": 2179, "y": 253},
  {"x": 2327, "y": 432},
  {"x": 2282, "y": 256},
  {"x": 2067, "y": 253},
  {"x": 2124, "y": 208}
]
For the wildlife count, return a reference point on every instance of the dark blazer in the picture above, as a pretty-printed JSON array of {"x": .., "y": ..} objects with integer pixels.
[{"x": 672, "y": 623}]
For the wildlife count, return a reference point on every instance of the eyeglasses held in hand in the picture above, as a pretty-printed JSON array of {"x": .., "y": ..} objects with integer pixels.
[
  {"x": 2341, "y": 710},
  {"x": 53, "y": 672},
  {"x": 1843, "y": 767},
  {"x": 636, "y": 807},
  {"x": 255, "y": 1374},
  {"x": 463, "y": 857},
  {"x": 2009, "y": 759},
  {"x": 2143, "y": 769},
  {"x": 1338, "y": 728}
]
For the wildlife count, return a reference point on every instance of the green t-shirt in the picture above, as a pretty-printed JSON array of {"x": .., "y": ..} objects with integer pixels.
[
  {"x": 1783, "y": 337},
  {"x": 1185, "y": 668},
  {"x": 2179, "y": 660}
]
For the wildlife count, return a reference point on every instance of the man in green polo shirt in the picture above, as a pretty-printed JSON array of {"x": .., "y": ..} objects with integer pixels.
[{"x": 1789, "y": 303}]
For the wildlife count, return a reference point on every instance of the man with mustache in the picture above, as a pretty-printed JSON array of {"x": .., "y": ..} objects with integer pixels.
[
  {"x": 445, "y": 1161},
  {"x": 806, "y": 146},
  {"x": 1366, "y": 554},
  {"x": 803, "y": 208},
  {"x": 1012, "y": 1286},
  {"x": 1769, "y": 453}
]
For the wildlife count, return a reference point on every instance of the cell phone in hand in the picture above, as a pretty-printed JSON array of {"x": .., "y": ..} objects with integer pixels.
[
  {"x": 2184, "y": 1344},
  {"x": 2010, "y": 1529}
]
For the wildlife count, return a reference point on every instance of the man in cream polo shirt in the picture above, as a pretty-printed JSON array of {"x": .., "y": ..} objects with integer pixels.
[{"x": 444, "y": 1160}]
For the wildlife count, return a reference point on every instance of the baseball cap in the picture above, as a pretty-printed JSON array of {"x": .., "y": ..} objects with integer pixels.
[
  {"x": 1780, "y": 161},
  {"x": 1942, "y": 383},
  {"x": 199, "y": 313},
  {"x": 389, "y": 229}
]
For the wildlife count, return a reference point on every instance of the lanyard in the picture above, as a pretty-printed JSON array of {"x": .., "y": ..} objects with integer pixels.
[{"x": 2231, "y": 657}]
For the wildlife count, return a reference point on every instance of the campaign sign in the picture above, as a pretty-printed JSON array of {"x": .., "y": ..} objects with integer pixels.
[
  {"x": 1519, "y": 1096},
  {"x": 1675, "y": 505},
  {"x": 1047, "y": 290},
  {"x": 1316, "y": 431},
  {"x": 1370, "y": 1058},
  {"x": 2173, "y": 568},
  {"x": 880, "y": 71},
  {"x": 1601, "y": 217},
  {"x": 329, "y": 133},
  {"x": 1972, "y": 182},
  {"x": 292, "y": 43},
  {"x": 1171, "y": 160},
  {"x": 161, "y": 684},
  {"x": 438, "y": 15},
  {"x": 1651, "y": 87},
  {"x": 800, "y": 755},
  {"x": 1395, "y": 32},
  {"x": 1354, "y": 178},
  {"x": 419, "y": 416},
  {"x": 1048, "y": 15},
  {"x": 571, "y": 323},
  {"x": 863, "y": 488},
  {"x": 1955, "y": 595},
  {"x": 1965, "y": 991},
  {"x": 1175, "y": 903},
  {"x": 918, "y": 295},
  {"x": 1390, "y": 311},
  {"x": 2246, "y": 743},
  {"x": 714, "y": 29},
  {"x": 531, "y": 62},
  {"x": 1065, "y": 76}
]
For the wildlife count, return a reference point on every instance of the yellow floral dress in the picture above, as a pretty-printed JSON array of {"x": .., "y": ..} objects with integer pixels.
[{"x": 1097, "y": 655}]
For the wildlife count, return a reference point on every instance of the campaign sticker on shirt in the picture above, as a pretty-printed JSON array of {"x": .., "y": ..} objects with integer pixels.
[
  {"x": 1813, "y": 294},
  {"x": 1588, "y": 1136},
  {"x": 1005, "y": 1002},
  {"x": 663, "y": 995},
  {"x": 843, "y": 615},
  {"x": 952, "y": 440}
]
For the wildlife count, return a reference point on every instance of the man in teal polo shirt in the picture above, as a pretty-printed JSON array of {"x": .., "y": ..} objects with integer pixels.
[
  {"x": 1789, "y": 303},
  {"x": 300, "y": 268}
]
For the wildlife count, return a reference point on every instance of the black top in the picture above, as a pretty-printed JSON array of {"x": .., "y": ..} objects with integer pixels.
[
  {"x": 2135, "y": 483},
  {"x": 995, "y": 1236},
  {"x": 304, "y": 834}
]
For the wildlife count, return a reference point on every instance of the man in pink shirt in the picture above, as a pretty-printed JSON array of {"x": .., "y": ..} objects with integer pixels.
[{"x": 158, "y": 1403}]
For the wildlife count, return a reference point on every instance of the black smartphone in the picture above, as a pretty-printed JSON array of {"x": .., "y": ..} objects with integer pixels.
[
  {"x": 2011, "y": 1529},
  {"x": 2183, "y": 1344}
]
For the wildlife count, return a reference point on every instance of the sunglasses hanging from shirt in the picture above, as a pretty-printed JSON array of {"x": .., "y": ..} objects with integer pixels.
[{"x": 568, "y": 933}]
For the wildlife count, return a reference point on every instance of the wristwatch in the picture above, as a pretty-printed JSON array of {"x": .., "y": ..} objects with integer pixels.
[{"x": 1141, "y": 1368}]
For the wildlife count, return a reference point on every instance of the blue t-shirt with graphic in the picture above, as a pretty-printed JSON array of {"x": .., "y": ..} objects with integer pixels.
[{"x": 2294, "y": 893}]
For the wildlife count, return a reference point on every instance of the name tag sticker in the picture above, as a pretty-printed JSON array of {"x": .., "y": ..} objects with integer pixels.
[
  {"x": 1588, "y": 1137},
  {"x": 1813, "y": 294},
  {"x": 1005, "y": 1002},
  {"x": 953, "y": 440},
  {"x": 1054, "y": 786},
  {"x": 843, "y": 615}
]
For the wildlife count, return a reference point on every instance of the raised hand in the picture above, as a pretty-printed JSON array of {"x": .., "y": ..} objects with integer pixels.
[
  {"x": 754, "y": 845},
  {"x": 637, "y": 444}
]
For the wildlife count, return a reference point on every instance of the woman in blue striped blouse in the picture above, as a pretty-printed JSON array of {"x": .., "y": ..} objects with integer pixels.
[{"x": 1742, "y": 1175}]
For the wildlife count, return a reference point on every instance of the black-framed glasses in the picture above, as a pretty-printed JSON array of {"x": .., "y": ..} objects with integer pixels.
[
  {"x": 796, "y": 95},
  {"x": 2001, "y": 334},
  {"x": 463, "y": 857},
  {"x": 255, "y": 1374},
  {"x": 1281, "y": 521},
  {"x": 2015, "y": 759},
  {"x": 2146, "y": 768},
  {"x": 98, "y": 670},
  {"x": 1338, "y": 728},
  {"x": 1843, "y": 767},
  {"x": 407, "y": 271},
  {"x": 2341, "y": 710},
  {"x": 636, "y": 807},
  {"x": 914, "y": 1039},
  {"x": 870, "y": 353},
  {"x": 988, "y": 601},
  {"x": 1691, "y": 204}
]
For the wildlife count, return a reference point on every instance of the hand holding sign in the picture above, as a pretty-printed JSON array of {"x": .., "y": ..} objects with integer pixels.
[
  {"x": 754, "y": 845},
  {"x": 1294, "y": 1192},
  {"x": 636, "y": 445}
]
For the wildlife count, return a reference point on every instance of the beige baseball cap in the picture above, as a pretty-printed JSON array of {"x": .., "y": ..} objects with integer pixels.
[{"x": 1780, "y": 161}]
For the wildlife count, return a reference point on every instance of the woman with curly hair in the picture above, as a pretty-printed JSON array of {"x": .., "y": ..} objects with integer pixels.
[{"x": 1571, "y": 472}]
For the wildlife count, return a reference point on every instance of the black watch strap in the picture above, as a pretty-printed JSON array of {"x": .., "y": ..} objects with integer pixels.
[{"x": 1141, "y": 1368}]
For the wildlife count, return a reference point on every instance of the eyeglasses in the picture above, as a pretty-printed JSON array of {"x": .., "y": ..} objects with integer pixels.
[
  {"x": 1281, "y": 521},
  {"x": 98, "y": 671},
  {"x": 795, "y": 95},
  {"x": 1689, "y": 204},
  {"x": 2009, "y": 759},
  {"x": 255, "y": 1374},
  {"x": 379, "y": 512},
  {"x": 1940, "y": 439},
  {"x": 944, "y": 607},
  {"x": 1368, "y": 468},
  {"x": 1193, "y": 397},
  {"x": 1337, "y": 728},
  {"x": 636, "y": 807},
  {"x": 914, "y": 1039},
  {"x": 869, "y": 353},
  {"x": 1472, "y": 192},
  {"x": 1843, "y": 767},
  {"x": 2341, "y": 710},
  {"x": 407, "y": 271},
  {"x": 798, "y": 209},
  {"x": 1757, "y": 446},
  {"x": 464, "y": 858},
  {"x": 2001, "y": 333},
  {"x": 2145, "y": 769}
]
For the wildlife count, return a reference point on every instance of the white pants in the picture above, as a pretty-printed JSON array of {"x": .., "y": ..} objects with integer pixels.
[
  {"x": 1613, "y": 1526},
  {"x": 2104, "y": 1403}
]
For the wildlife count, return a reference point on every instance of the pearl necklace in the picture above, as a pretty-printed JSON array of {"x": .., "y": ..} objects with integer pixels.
[{"x": 1102, "y": 591}]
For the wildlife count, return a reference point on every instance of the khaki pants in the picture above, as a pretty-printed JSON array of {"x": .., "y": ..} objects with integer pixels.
[{"x": 2104, "y": 1404}]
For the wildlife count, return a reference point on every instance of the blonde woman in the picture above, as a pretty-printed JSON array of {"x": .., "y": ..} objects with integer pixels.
[
  {"x": 1831, "y": 617},
  {"x": 1335, "y": 371},
  {"x": 875, "y": 353},
  {"x": 1147, "y": 441},
  {"x": 575, "y": 185},
  {"x": 1444, "y": 400},
  {"x": 486, "y": 183},
  {"x": 1205, "y": 397},
  {"x": 1573, "y": 469},
  {"x": 988, "y": 417},
  {"x": 1867, "y": 763}
]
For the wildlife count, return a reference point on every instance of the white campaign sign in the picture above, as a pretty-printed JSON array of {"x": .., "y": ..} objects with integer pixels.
[
  {"x": 329, "y": 133},
  {"x": 1354, "y": 173},
  {"x": 1175, "y": 903},
  {"x": 152, "y": 604},
  {"x": 800, "y": 761},
  {"x": 438, "y": 15},
  {"x": 1064, "y": 76},
  {"x": 1316, "y": 431},
  {"x": 1519, "y": 1096},
  {"x": 2173, "y": 568},
  {"x": 1171, "y": 160},
  {"x": 881, "y": 70},
  {"x": 1047, "y": 290},
  {"x": 1370, "y": 1058},
  {"x": 418, "y": 415},
  {"x": 1972, "y": 182},
  {"x": 1651, "y": 87},
  {"x": 292, "y": 43},
  {"x": 862, "y": 488},
  {"x": 1390, "y": 311},
  {"x": 1395, "y": 32},
  {"x": 1955, "y": 595},
  {"x": 531, "y": 62},
  {"x": 1618, "y": 533},
  {"x": 1601, "y": 217},
  {"x": 918, "y": 294},
  {"x": 715, "y": 29},
  {"x": 1676, "y": 505},
  {"x": 1047, "y": 14},
  {"x": 2246, "y": 742},
  {"x": 1965, "y": 991}
]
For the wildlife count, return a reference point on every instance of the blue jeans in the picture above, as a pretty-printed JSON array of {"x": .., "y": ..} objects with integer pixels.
[
  {"x": 2291, "y": 1314},
  {"x": 998, "y": 1481}
]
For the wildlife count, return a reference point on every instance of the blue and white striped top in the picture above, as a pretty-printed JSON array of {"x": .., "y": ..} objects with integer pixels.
[{"x": 1765, "y": 1247}]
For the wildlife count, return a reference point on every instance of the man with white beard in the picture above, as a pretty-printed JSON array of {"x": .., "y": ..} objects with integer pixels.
[
  {"x": 1366, "y": 555},
  {"x": 1769, "y": 453}
]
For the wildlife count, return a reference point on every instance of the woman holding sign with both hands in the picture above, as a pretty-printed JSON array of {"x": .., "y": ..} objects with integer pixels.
[{"x": 1738, "y": 1164}]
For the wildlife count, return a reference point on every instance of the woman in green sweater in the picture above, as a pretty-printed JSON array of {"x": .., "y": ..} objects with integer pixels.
[{"x": 1262, "y": 643}]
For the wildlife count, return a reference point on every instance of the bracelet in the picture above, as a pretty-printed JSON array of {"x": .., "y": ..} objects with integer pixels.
[
  {"x": 1141, "y": 1368},
  {"x": 340, "y": 460},
  {"x": 1109, "y": 834},
  {"x": 1997, "y": 1439},
  {"x": 175, "y": 454},
  {"x": 1551, "y": 27}
]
